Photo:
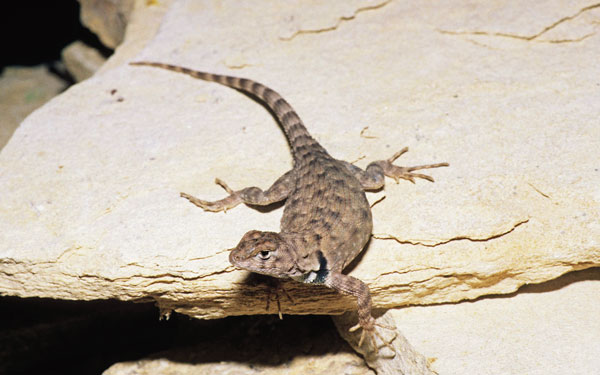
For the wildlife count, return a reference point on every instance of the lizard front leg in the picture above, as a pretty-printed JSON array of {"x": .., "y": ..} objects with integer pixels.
[
  {"x": 250, "y": 195},
  {"x": 275, "y": 290},
  {"x": 373, "y": 177},
  {"x": 352, "y": 286}
]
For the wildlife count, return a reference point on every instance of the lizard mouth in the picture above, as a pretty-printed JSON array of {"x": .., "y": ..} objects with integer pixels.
[
  {"x": 246, "y": 265},
  {"x": 272, "y": 273}
]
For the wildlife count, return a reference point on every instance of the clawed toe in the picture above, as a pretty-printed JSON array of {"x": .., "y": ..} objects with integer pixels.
[
  {"x": 222, "y": 184},
  {"x": 205, "y": 205},
  {"x": 397, "y": 155},
  {"x": 221, "y": 205},
  {"x": 405, "y": 173},
  {"x": 368, "y": 329},
  {"x": 384, "y": 326},
  {"x": 275, "y": 291}
]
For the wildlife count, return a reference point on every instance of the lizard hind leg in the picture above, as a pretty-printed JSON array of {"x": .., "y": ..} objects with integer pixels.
[
  {"x": 373, "y": 177},
  {"x": 406, "y": 173}
]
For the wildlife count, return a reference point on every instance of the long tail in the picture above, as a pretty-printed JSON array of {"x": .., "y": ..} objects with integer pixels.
[{"x": 297, "y": 134}]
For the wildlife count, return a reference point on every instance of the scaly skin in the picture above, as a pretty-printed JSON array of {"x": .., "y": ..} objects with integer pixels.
[{"x": 326, "y": 221}]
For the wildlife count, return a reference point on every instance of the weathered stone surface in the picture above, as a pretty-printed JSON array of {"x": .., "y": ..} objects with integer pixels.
[
  {"x": 404, "y": 359},
  {"x": 81, "y": 60},
  {"x": 107, "y": 19},
  {"x": 22, "y": 90},
  {"x": 89, "y": 184},
  {"x": 546, "y": 329},
  {"x": 320, "y": 364}
]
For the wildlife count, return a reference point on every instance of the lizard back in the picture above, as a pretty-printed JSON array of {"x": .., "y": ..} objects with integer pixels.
[
  {"x": 327, "y": 219},
  {"x": 327, "y": 210}
]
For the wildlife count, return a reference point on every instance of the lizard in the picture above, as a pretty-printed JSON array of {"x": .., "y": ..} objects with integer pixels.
[{"x": 326, "y": 220}]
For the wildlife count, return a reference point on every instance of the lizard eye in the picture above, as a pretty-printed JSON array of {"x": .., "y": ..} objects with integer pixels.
[{"x": 264, "y": 255}]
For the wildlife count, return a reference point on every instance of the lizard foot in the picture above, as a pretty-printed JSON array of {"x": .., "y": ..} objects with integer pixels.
[
  {"x": 405, "y": 173},
  {"x": 275, "y": 291},
  {"x": 221, "y": 205},
  {"x": 368, "y": 329}
]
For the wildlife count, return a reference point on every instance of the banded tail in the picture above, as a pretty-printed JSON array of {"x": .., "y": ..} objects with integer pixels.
[{"x": 298, "y": 137}]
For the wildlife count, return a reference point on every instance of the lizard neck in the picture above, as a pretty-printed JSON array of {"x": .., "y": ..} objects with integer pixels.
[
  {"x": 306, "y": 258},
  {"x": 315, "y": 277}
]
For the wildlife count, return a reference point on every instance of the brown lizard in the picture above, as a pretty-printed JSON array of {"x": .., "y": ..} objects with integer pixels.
[{"x": 327, "y": 219}]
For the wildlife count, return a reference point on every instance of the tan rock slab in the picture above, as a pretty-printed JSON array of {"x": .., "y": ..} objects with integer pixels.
[
  {"x": 22, "y": 90},
  {"x": 549, "y": 329},
  {"x": 89, "y": 184},
  {"x": 107, "y": 18},
  {"x": 81, "y": 60}
]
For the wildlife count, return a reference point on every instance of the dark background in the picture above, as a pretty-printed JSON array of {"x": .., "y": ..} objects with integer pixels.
[{"x": 35, "y": 32}]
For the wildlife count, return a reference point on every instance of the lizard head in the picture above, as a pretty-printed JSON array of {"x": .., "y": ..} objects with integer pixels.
[{"x": 266, "y": 253}]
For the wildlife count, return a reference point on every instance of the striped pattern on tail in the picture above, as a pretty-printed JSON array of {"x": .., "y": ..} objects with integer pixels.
[{"x": 300, "y": 140}]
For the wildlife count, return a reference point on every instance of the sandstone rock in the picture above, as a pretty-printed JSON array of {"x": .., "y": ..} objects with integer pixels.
[
  {"x": 89, "y": 192},
  {"x": 81, "y": 60},
  {"x": 107, "y": 19},
  {"x": 549, "y": 329},
  {"x": 22, "y": 90},
  {"x": 404, "y": 359}
]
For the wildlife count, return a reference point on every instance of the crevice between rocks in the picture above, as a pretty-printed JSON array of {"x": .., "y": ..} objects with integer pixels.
[
  {"x": 337, "y": 24},
  {"x": 386, "y": 236},
  {"x": 532, "y": 37}
]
